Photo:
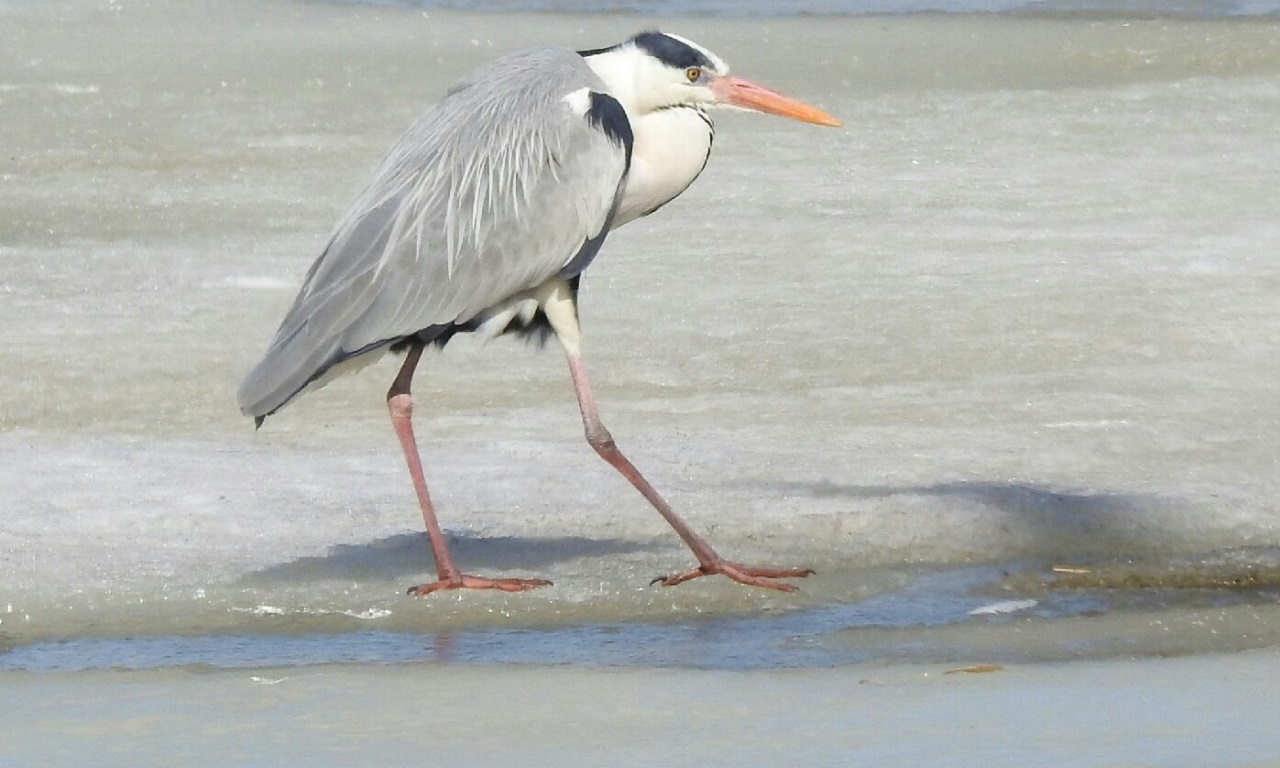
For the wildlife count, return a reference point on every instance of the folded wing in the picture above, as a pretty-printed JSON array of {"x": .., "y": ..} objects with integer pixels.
[{"x": 493, "y": 191}]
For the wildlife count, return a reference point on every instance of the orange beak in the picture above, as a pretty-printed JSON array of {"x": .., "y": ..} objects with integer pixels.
[{"x": 748, "y": 95}]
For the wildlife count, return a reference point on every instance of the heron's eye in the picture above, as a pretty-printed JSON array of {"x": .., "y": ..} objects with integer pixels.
[{"x": 693, "y": 73}]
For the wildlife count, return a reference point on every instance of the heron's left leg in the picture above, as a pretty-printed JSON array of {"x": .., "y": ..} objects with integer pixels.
[
  {"x": 400, "y": 406},
  {"x": 561, "y": 311}
]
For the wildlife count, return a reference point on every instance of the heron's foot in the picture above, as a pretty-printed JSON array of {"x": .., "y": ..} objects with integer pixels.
[
  {"x": 743, "y": 574},
  {"x": 463, "y": 581}
]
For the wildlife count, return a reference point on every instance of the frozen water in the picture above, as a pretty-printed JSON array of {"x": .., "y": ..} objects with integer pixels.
[
  {"x": 767, "y": 8},
  {"x": 1021, "y": 308}
]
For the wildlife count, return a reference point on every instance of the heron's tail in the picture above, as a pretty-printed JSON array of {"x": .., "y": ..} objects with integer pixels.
[{"x": 292, "y": 366}]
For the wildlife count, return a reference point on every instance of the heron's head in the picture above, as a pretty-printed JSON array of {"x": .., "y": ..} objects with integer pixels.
[{"x": 656, "y": 70}]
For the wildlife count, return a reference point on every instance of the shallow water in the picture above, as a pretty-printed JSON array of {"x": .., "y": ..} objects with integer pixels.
[
  {"x": 1020, "y": 311},
  {"x": 942, "y": 616}
]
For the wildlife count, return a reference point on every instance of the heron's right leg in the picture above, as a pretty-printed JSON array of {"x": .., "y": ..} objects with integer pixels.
[
  {"x": 561, "y": 311},
  {"x": 400, "y": 405}
]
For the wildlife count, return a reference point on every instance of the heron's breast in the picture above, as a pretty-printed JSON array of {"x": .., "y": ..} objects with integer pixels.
[{"x": 670, "y": 150}]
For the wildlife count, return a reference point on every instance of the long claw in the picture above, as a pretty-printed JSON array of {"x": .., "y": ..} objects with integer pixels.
[
  {"x": 755, "y": 577},
  {"x": 464, "y": 581}
]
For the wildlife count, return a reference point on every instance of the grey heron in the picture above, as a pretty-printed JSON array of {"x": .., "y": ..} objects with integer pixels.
[{"x": 482, "y": 219}]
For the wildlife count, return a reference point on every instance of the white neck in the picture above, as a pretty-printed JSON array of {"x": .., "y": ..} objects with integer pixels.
[{"x": 671, "y": 145}]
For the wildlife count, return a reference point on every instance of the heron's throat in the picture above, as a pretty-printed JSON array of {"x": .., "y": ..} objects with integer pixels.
[{"x": 671, "y": 142}]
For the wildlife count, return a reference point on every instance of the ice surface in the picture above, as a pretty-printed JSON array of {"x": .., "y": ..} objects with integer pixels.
[{"x": 1022, "y": 307}]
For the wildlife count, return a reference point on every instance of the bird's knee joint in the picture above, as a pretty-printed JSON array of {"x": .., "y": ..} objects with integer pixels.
[
  {"x": 601, "y": 441},
  {"x": 400, "y": 406}
]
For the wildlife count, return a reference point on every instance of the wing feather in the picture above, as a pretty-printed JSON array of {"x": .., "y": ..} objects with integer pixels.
[{"x": 490, "y": 193}]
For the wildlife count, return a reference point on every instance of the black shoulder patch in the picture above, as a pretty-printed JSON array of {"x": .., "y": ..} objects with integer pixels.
[
  {"x": 608, "y": 116},
  {"x": 670, "y": 51}
]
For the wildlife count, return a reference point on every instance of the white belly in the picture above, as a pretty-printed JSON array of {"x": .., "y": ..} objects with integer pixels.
[{"x": 669, "y": 151}]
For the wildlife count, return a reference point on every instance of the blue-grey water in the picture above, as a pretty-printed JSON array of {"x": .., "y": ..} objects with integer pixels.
[
  {"x": 776, "y": 8},
  {"x": 934, "y": 616}
]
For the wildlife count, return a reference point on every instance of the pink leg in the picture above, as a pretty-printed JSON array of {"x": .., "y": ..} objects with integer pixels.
[
  {"x": 709, "y": 561},
  {"x": 400, "y": 405}
]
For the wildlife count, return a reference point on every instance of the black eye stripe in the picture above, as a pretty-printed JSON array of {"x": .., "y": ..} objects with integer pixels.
[{"x": 671, "y": 51}]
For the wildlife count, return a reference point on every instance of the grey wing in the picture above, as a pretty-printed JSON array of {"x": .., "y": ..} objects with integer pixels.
[{"x": 493, "y": 191}]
